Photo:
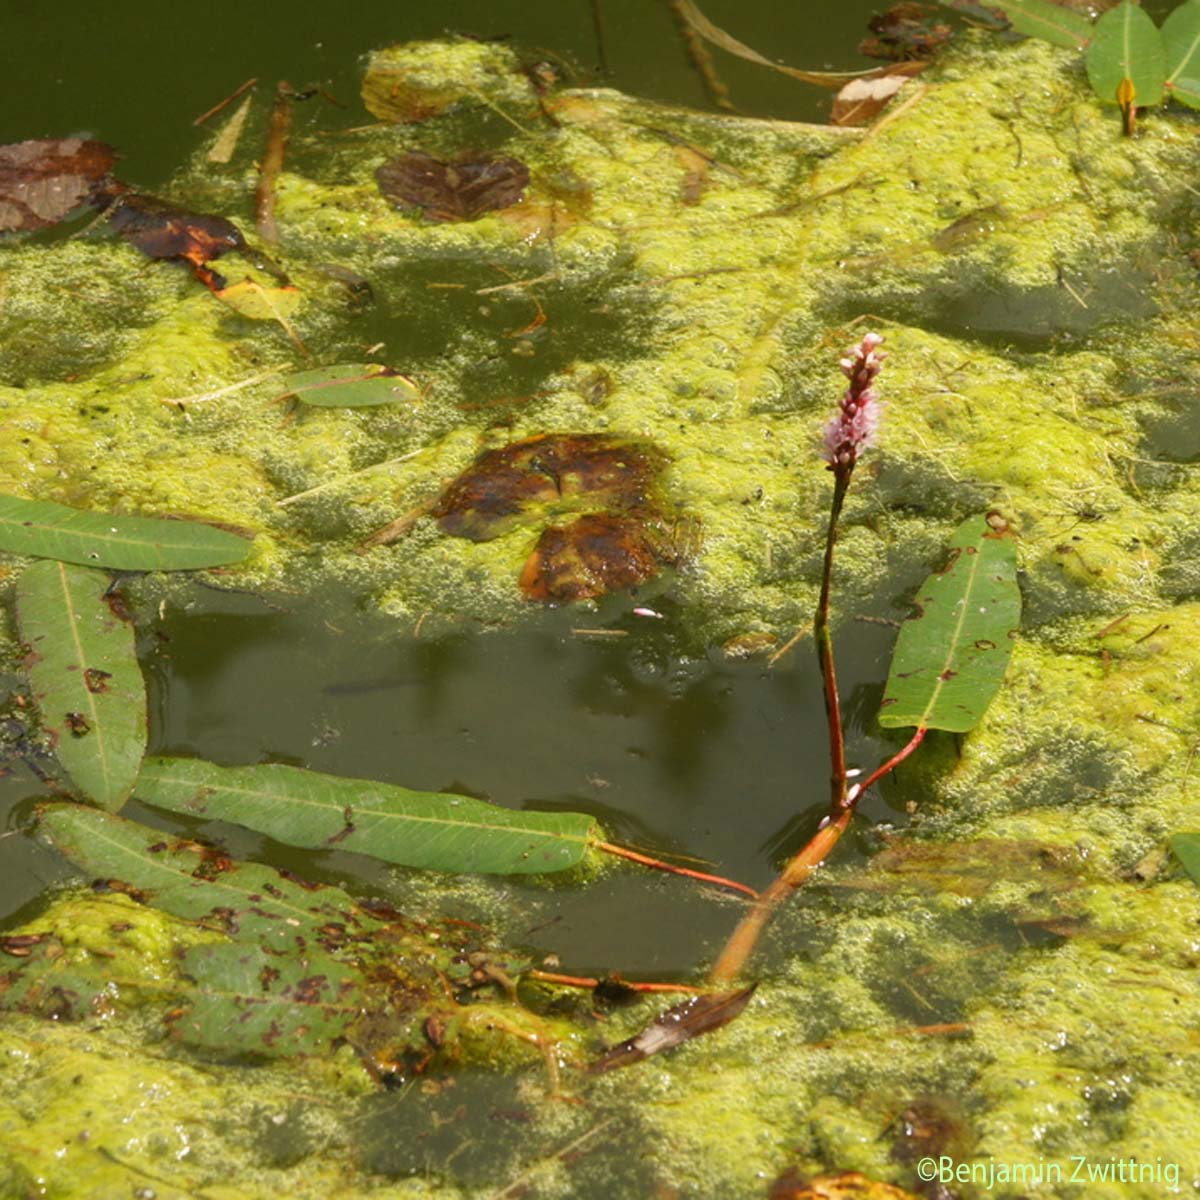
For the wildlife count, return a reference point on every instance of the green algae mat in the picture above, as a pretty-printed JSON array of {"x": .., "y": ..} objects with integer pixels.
[{"x": 510, "y": 348}]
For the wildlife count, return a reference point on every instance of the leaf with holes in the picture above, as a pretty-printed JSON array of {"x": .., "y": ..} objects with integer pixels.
[
  {"x": 950, "y": 658},
  {"x": 1126, "y": 46},
  {"x": 430, "y": 830},
  {"x": 1050, "y": 22},
  {"x": 1181, "y": 43},
  {"x": 95, "y": 539},
  {"x": 350, "y": 385},
  {"x": 84, "y": 675},
  {"x": 247, "y": 901},
  {"x": 249, "y": 1001}
]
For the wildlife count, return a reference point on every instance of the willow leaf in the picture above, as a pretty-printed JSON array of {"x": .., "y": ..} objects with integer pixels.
[
  {"x": 248, "y": 901},
  {"x": 1186, "y": 848},
  {"x": 1050, "y": 22},
  {"x": 350, "y": 385},
  {"x": 1181, "y": 42},
  {"x": 950, "y": 658},
  {"x": 84, "y": 674},
  {"x": 1126, "y": 45},
  {"x": 431, "y": 830},
  {"x": 91, "y": 539}
]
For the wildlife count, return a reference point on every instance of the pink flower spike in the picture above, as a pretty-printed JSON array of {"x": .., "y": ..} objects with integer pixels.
[{"x": 853, "y": 429}]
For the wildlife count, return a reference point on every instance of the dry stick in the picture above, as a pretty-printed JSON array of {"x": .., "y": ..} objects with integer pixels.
[
  {"x": 659, "y": 865},
  {"x": 598, "y": 32},
  {"x": 220, "y": 104},
  {"x": 700, "y": 58},
  {"x": 272, "y": 163}
]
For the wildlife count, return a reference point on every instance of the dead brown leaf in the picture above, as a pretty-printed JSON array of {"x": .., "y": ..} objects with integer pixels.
[
  {"x": 43, "y": 181},
  {"x": 458, "y": 191}
]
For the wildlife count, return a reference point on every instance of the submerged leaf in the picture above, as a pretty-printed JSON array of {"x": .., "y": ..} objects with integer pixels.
[
  {"x": 48, "y": 530},
  {"x": 85, "y": 679},
  {"x": 44, "y": 181},
  {"x": 350, "y": 385},
  {"x": 254, "y": 300},
  {"x": 1181, "y": 46},
  {"x": 1127, "y": 50},
  {"x": 679, "y": 1024},
  {"x": 563, "y": 470},
  {"x": 460, "y": 191},
  {"x": 950, "y": 658},
  {"x": 905, "y": 32},
  {"x": 1050, "y": 22},
  {"x": 596, "y": 554},
  {"x": 430, "y": 830}
]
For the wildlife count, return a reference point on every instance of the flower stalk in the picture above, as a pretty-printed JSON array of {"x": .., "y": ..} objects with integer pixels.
[{"x": 847, "y": 435}]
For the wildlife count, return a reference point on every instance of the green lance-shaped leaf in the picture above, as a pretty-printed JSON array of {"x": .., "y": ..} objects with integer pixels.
[
  {"x": 1186, "y": 848},
  {"x": 430, "y": 830},
  {"x": 250, "y": 1001},
  {"x": 47, "y": 530},
  {"x": 950, "y": 658},
  {"x": 1126, "y": 45},
  {"x": 1181, "y": 42},
  {"x": 350, "y": 385},
  {"x": 1050, "y": 22},
  {"x": 249, "y": 902},
  {"x": 84, "y": 674}
]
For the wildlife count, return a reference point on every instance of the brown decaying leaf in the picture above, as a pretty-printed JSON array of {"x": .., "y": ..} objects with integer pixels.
[
  {"x": 160, "y": 230},
  {"x": 594, "y": 555},
  {"x": 488, "y": 498},
  {"x": 43, "y": 181},
  {"x": 861, "y": 100},
  {"x": 679, "y": 1024},
  {"x": 458, "y": 191},
  {"x": 906, "y": 31}
]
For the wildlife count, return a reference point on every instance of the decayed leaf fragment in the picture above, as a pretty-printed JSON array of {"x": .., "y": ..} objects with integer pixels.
[
  {"x": 43, "y": 181},
  {"x": 861, "y": 100},
  {"x": 679, "y": 1024},
  {"x": 160, "y": 230},
  {"x": 452, "y": 191}
]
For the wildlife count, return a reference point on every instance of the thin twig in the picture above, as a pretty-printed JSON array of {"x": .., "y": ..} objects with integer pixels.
[
  {"x": 590, "y": 983},
  {"x": 220, "y": 104},
  {"x": 598, "y": 33},
  {"x": 701, "y": 60},
  {"x": 320, "y": 487},
  {"x": 272, "y": 163},
  {"x": 518, "y": 1185},
  {"x": 200, "y": 397}
]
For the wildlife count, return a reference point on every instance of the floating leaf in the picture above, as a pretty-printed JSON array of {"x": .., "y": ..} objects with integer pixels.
[
  {"x": 249, "y": 298},
  {"x": 1186, "y": 848},
  {"x": 250, "y": 1001},
  {"x": 43, "y": 181},
  {"x": 284, "y": 966},
  {"x": 460, "y": 191},
  {"x": 350, "y": 385},
  {"x": 1050, "y": 22},
  {"x": 1126, "y": 45},
  {"x": 594, "y": 555},
  {"x": 950, "y": 658},
  {"x": 48, "y": 530},
  {"x": 84, "y": 674},
  {"x": 430, "y": 830},
  {"x": 1181, "y": 46},
  {"x": 561, "y": 470},
  {"x": 247, "y": 901},
  {"x": 679, "y": 1024}
]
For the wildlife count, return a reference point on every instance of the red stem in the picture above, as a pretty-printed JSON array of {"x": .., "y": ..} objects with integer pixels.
[
  {"x": 659, "y": 865},
  {"x": 891, "y": 764},
  {"x": 821, "y": 634}
]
